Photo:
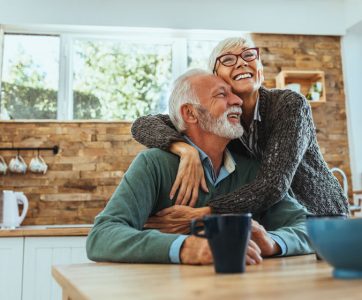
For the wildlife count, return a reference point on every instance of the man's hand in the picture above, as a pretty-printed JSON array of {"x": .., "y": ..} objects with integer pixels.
[
  {"x": 266, "y": 244},
  {"x": 195, "y": 251},
  {"x": 176, "y": 219},
  {"x": 253, "y": 254}
]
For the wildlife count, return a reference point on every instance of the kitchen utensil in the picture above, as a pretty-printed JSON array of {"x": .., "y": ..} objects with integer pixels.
[
  {"x": 38, "y": 165},
  {"x": 17, "y": 165},
  {"x": 9, "y": 209},
  {"x": 3, "y": 166}
]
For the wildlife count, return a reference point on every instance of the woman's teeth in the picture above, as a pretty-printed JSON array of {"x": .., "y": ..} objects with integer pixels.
[{"x": 242, "y": 76}]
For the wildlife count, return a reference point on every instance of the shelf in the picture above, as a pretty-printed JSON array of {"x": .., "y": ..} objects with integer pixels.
[{"x": 305, "y": 79}]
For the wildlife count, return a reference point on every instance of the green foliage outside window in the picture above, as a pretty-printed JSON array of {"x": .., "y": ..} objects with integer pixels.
[
  {"x": 111, "y": 81},
  {"x": 23, "y": 102},
  {"x": 129, "y": 80}
]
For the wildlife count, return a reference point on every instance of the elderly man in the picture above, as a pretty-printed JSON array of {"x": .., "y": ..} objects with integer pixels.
[{"x": 203, "y": 107}]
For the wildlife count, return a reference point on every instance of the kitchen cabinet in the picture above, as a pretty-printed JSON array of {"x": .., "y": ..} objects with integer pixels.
[
  {"x": 27, "y": 255},
  {"x": 309, "y": 83},
  {"x": 40, "y": 253},
  {"x": 11, "y": 267}
]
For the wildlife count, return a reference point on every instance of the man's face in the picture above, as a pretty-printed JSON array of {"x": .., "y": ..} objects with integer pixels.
[{"x": 219, "y": 110}]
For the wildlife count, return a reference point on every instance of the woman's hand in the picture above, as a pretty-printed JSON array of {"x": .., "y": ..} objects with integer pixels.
[
  {"x": 190, "y": 175},
  {"x": 176, "y": 219}
]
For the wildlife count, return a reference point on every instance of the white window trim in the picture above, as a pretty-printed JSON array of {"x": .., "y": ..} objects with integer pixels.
[
  {"x": 1, "y": 59},
  {"x": 65, "y": 91}
]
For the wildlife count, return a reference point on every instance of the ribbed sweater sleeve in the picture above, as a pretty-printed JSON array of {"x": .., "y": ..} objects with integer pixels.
[
  {"x": 284, "y": 150},
  {"x": 155, "y": 131}
]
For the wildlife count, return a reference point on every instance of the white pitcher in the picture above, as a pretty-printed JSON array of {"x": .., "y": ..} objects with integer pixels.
[{"x": 9, "y": 209}]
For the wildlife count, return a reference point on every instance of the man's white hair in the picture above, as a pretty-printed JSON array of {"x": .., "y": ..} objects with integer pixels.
[
  {"x": 182, "y": 93},
  {"x": 226, "y": 45}
]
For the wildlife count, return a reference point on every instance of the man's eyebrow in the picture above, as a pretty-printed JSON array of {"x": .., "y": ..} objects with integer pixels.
[
  {"x": 226, "y": 88},
  {"x": 220, "y": 89}
]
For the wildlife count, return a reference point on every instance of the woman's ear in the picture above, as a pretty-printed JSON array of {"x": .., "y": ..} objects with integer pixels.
[{"x": 188, "y": 113}]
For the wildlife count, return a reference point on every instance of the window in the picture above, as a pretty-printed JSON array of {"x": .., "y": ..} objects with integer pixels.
[
  {"x": 120, "y": 80},
  {"x": 30, "y": 76},
  {"x": 115, "y": 75},
  {"x": 198, "y": 53}
]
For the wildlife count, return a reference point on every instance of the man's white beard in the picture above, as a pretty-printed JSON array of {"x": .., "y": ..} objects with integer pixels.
[{"x": 220, "y": 126}]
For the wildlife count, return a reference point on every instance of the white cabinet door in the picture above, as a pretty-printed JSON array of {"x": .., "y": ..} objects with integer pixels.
[
  {"x": 11, "y": 267},
  {"x": 39, "y": 255}
]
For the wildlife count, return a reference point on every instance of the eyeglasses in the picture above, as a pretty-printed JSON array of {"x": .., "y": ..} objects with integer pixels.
[{"x": 229, "y": 60}]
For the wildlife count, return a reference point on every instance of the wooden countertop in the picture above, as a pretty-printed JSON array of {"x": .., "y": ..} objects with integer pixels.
[
  {"x": 299, "y": 277},
  {"x": 47, "y": 230}
]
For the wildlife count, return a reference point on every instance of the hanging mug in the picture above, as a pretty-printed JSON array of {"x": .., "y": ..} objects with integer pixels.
[
  {"x": 17, "y": 165},
  {"x": 3, "y": 166},
  {"x": 38, "y": 165}
]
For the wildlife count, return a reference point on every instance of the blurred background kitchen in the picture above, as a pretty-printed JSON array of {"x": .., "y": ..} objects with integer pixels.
[{"x": 75, "y": 74}]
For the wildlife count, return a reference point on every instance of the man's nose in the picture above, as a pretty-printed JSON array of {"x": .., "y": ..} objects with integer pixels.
[{"x": 235, "y": 100}]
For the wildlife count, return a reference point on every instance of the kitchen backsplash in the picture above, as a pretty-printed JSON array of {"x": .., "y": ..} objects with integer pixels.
[
  {"x": 93, "y": 156},
  {"x": 92, "y": 159}
]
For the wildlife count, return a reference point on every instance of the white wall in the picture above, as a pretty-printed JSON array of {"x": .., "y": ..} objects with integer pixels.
[
  {"x": 352, "y": 69},
  {"x": 263, "y": 16},
  {"x": 353, "y": 12}
]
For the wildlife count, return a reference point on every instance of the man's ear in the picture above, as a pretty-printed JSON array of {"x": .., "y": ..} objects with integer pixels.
[{"x": 188, "y": 113}]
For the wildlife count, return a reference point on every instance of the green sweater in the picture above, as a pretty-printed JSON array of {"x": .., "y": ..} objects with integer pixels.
[{"x": 118, "y": 233}]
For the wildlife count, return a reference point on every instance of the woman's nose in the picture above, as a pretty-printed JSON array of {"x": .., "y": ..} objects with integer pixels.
[{"x": 240, "y": 62}]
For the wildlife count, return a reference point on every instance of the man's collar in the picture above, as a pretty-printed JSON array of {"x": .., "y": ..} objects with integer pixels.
[{"x": 228, "y": 160}]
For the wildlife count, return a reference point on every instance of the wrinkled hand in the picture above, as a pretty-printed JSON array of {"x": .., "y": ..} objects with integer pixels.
[
  {"x": 176, "y": 219},
  {"x": 266, "y": 244},
  {"x": 190, "y": 175},
  {"x": 253, "y": 254},
  {"x": 195, "y": 251}
]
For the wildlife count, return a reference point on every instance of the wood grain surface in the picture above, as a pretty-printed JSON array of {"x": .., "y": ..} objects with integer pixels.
[
  {"x": 44, "y": 230},
  {"x": 299, "y": 277}
]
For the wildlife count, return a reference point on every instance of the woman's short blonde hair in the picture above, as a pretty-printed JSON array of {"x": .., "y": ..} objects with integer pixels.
[{"x": 228, "y": 44}]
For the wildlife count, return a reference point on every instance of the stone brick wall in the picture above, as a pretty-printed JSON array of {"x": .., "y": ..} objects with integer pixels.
[
  {"x": 94, "y": 155},
  {"x": 301, "y": 52},
  {"x": 81, "y": 178}
]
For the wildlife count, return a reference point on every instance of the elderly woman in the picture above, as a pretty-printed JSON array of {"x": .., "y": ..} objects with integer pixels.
[{"x": 278, "y": 131}]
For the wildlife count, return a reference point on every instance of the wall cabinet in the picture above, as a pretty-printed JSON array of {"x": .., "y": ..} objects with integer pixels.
[
  {"x": 25, "y": 272},
  {"x": 309, "y": 83}
]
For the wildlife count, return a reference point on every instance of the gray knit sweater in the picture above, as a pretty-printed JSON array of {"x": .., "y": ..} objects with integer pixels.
[{"x": 290, "y": 157}]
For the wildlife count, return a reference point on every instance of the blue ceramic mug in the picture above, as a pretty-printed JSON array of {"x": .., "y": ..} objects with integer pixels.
[{"x": 228, "y": 236}]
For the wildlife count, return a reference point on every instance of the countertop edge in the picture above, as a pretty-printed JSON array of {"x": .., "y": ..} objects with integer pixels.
[{"x": 24, "y": 232}]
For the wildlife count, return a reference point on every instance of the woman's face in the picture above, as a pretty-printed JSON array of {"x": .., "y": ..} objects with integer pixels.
[{"x": 244, "y": 77}]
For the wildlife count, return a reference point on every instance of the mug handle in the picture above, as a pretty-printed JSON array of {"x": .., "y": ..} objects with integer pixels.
[
  {"x": 44, "y": 164},
  {"x": 21, "y": 198},
  {"x": 23, "y": 162},
  {"x": 195, "y": 229}
]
